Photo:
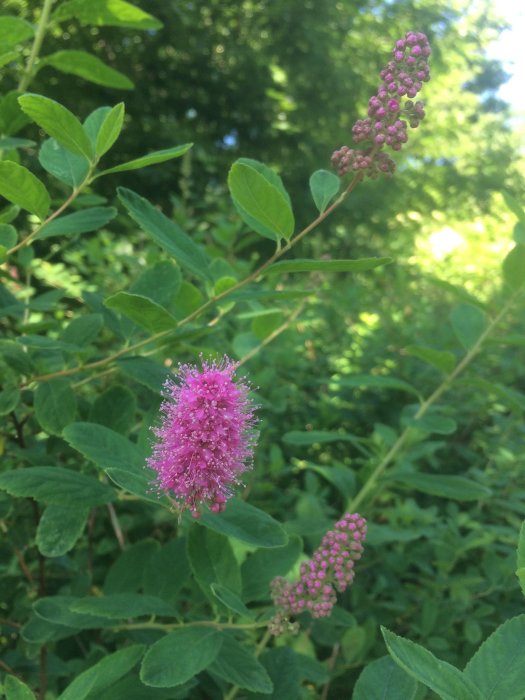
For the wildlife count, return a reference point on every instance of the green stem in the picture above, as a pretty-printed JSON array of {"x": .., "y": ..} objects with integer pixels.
[
  {"x": 168, "y": 627},
  {"x": 27, "y": 75},
  {"x": 210, "y": 302},
  {"x": 372, "y": 480}
]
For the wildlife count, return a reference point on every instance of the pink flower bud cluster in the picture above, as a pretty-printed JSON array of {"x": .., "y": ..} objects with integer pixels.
[
  {"x": 347, "y": 159},
  {"x": 386, "y": 123},
  {"x": 330, "y": 569},
  {"x": 206, "y": 437}
]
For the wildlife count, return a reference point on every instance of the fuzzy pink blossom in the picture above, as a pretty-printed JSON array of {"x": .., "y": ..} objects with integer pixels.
[
  {"x": 330, "y": 569},
  {"x": 206, "y": 437}
]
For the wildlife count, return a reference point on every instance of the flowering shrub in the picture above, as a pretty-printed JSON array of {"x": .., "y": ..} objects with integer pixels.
[{"x": 187, "y": 549}]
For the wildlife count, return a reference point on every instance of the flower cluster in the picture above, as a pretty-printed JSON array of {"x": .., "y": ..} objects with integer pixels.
[
  {"x": 386, "y": 123},
  {"x": 206, "y": 438},
  {"x": 330, "y": 569}
]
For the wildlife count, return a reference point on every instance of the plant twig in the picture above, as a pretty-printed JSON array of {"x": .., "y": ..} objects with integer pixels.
[{"x": 43, "y": 23}]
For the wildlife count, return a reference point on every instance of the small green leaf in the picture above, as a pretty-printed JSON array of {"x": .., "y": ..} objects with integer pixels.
[
  {"x": 515, "y": 207},
  {"x": 286, "y": 266},
  {"x": 167, "y": 571},
  {"x": 119, "y": 606},
  {"x": 14, "y": 31},
  {"x": 166, "y": 233},
  {"x": 56, "y": 485},
  {"x": 8, "y": 142},
  {"x": 150, "y": 159},
  {"x": 115, "y": 408},
  {"x": 160, "y": 283},
  {"x": 237, "y": 664},
  {"x": 55, "y": 405},
  {"x": 19, "y": 186},
  {"x": 9, "y": 399},
  {"x": 441, "y": 677},
  {"x": 104, "y": 673},
  {"x": 126, "y": 572},
  {"x": 67, "y": 167},
  {"x": 260, "y": 202},
  {"x": 457, "y": 488},
  {"x": 383, "y": 679},
  {"x": 468, "y": 323},
  {"x": 514, "y": 268},
  {"x": 104, "y": 447},
  {"x": 246, "y": 523},
  {"x": 59, "y": 528},
  {"x": 286, "y": 668},
  {"x": 79, "y": 222},
  {"x": 110, "y": 129},
  {"x": 106, "y": 13},
  {"x": 142, "y": 311},
  {"x": 440, "y": 359},
  {"x": 342, "y": 478},
  {"x": 57, "y": 121},
  {"x": 230, "y": 599},
  {"x": 498, "y": 666},
  {"x": 56, "y": 609},
  {"x": 144, "y": 371},
  {"x": 262, "y": 566},
  {"x": 8, "y": 236},
  {"x": 212, "y": 560},
  {"x": 433, "y": 421},
  {"x": 12, "y": 119},
  {"x": 87, "y": 66},
  {"x": 324, "y": 185},
  {"x": 312, "y": 437},
  {"x": 193, "y": 648},
  {"x": 83, "y": 330},
  {"x": 13, "y": 687}
]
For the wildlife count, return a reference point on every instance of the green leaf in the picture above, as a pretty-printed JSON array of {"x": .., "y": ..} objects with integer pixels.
[
  {"x": 150, "y": 159},
  {"x": 324, "y": 185},
  {"x": 514, "y": 268},
  {"x": 382, "y": 679},
  {"x": 65, "y": 166},
  {"x": 166, "y": 233},
  {"x": 261, "y": 203},
  {"x": 142, "y": 311},
  {"x": 106, "y": 13},
  {"x": 144, "y": 371},
  {"x": 8, "y": 236},
  {"x": 188, "y": 299},
  {"x": 104, "y": 673},
  {"x": 521, "y": 558},
  {"x": 212, "y": 560},
  {"x": 9, "y": 399},
  {"x": 230, "y": 599},
  {"x": 342, "y": 478},
  {"x": 498, "y": 666},
  {"x": 55, "y": 405},
  {"x": 283, "y": 667},
  {"x": 83, "y": 221},
  {"x": 87, "y": 66},
  {"x": 59, "y": 528},
  {"x": 115, "y": 408},
  {"x": 468, "y": 323},
  {"x": 262, "y": 566},
  {"x": 121, "y": 459},
  {"x": 57, "y": 121},
  {"x": 13, "y": 687},
  {"x": 55, "y": 609},
  {"x": 160, "y": 283},
  {"x": 442, "y": 360},
  {"x": 285, "y": 266},
  {"x": 457, "y": 488},
  {"x": 431, "y": 422},
  {"x": 119, "y": 606},
  {"x": 83, "y": 330},
  {"x": 244, "y": 522},
  {"x": 126, "y": 573},
  {"x": 12, "y": 119},
  {"x": 441, "y": 677},
  {"x": 19, "y": 186},
  {"x": 14, "y": 30},
  {"x": 167, "y": 571},
  {"x": 179, "y": 656},
  {"x": 110, "y": 129},
  {"x": 374, "y": 381},
  {"x": 237, "y": 664},
  {"x": 8, "y": 142},
  {"x": 56, "y": 485}
]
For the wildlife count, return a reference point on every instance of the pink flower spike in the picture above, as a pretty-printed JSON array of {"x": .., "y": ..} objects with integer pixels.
[{"x": 206, "y": 437}]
